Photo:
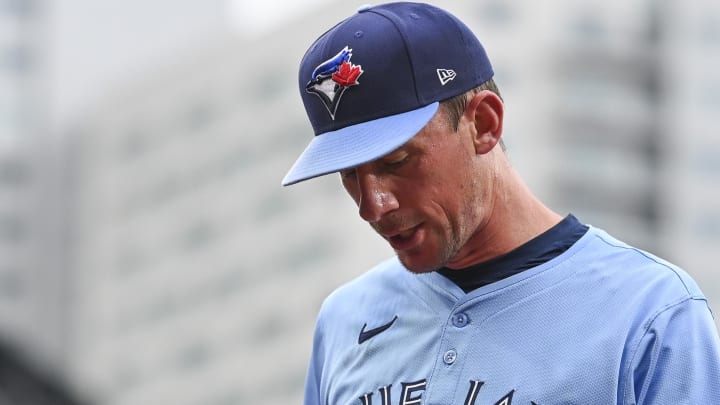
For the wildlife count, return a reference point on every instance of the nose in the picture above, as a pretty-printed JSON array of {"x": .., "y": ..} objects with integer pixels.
[{"x": 375, "y": 197}]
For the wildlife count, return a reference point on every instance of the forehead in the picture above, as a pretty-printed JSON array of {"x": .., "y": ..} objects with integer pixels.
[
  {"x": 422, "y": 140},
  {"x": 438, "y": 126}
]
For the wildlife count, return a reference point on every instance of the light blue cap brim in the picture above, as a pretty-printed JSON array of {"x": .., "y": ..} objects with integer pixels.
[{"x": 358, "y": 144}]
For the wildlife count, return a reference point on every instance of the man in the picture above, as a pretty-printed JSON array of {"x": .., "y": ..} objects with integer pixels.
[{"x": 493, "y": 298}]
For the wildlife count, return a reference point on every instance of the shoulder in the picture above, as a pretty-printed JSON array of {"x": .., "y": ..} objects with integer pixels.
[
  {"x": 641, "y": 273},
  {"x": 659, "y": 302},
  {"x": 366, "y": 290},
  {"x": 630, "y": 285},
  {"x": 370, "y": 299}
]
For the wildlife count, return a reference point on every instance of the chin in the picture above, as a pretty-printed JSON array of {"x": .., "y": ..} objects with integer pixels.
[{"x": 418, "y": 266}]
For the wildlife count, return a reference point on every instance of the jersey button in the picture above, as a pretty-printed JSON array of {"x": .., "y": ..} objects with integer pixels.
[
  {"x": 460, "y": 320},
  {"x": 450, "y": 356}
]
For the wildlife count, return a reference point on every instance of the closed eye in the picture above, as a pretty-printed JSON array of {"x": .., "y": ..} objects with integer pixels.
[{"x": 396, "y": 161}]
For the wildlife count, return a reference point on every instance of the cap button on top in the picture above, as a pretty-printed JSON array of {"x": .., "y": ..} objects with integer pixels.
[{"x": 364, "y": 7}]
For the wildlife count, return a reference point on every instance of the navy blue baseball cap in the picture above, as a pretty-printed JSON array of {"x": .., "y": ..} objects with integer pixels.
[{"x": 371, "y": 82}]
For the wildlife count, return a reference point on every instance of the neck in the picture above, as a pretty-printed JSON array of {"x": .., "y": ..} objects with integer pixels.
[{"x": 513, "y": 217}]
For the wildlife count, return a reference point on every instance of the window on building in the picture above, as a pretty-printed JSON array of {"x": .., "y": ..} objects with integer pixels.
[
  {"x": 198, "y": 235},
  {"x": 710, "y": 96},
  {"x": 308, "y": 253},
  {"x": 498, "y": 12},
  {"x": 237, "y": 160},
  {"x": 17, "y": 59},
  {"x": 12, "y": 229},
  {"x": 18, "y": 8},
  {"x": 198, "y": 117},
  {"x": 267, "y": 89},
  {"x": 232, "y": 398},
  {"x": 130, "y": 260},
  {"x": 134, "y": 144},
  {"x": 126, "y": 376},
  {"x": 710, "y": 30},
  {"x": 588, "y": 26},
  {"x": 13, "y": 173},
  {"x": 707, "y": 226},
  {"x": 705, "y": 162},
  {"x": 272, "y": 205},
  {"x": 194, "y": 355},
  {"x": 11, "y": 285}
]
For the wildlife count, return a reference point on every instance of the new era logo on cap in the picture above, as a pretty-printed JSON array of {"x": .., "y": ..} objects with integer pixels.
[{"x": 445, "y": 75}]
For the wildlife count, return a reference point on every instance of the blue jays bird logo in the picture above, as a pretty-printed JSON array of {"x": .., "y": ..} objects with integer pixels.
[{"x": 331, "y": 78}]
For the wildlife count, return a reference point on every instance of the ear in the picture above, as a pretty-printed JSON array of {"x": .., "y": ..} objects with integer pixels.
[{"x": 485, "y": 112}]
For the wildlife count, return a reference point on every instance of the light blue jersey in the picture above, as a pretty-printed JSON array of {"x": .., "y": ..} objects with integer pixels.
[{"x": 602, "y": 323}]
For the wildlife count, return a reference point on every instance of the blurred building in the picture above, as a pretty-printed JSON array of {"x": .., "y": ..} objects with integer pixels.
[
  {"x": 32, "y": 288},
  {"x": 690, "y": 195},
  {"x": 197, "y": 276},
  {"x": 181, "y": 272}
]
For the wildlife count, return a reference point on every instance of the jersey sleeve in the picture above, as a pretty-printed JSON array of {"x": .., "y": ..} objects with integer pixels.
[
  {"x": 313, "y": 380},
  {"x": 677, "y": 358},
  {"x": 312, "y": 385}
]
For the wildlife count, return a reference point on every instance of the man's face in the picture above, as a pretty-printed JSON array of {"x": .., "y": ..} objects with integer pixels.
[{"x": 424, "y": 198}]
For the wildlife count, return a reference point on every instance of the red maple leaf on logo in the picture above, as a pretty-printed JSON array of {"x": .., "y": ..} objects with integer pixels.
[{"x": 347, "y": 74}]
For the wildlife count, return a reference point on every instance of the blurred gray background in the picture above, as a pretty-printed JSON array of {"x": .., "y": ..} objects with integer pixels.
[{"x": 149, "y": 255}]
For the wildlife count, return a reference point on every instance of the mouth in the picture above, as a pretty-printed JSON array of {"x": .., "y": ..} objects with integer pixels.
[{"x": 406, "y": 239}]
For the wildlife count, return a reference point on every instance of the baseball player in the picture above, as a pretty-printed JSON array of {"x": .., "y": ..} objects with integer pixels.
[{"x": 492, "y": 298}]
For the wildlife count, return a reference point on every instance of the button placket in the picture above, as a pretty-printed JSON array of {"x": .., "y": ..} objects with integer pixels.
[{"x": 454, "y": 350}]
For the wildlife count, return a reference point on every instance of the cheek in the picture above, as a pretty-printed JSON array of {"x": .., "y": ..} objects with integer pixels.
[
  {"x": 457, "y": 191},
  {"x": 452, "y": 178}
]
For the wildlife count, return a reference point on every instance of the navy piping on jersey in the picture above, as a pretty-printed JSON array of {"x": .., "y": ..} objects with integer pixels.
[{"x": 535, "y": 252}]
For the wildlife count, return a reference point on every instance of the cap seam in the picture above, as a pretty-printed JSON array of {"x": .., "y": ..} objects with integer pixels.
[
  {"x": 407, "y": 51},
  {"x": 465, "y": 45}
]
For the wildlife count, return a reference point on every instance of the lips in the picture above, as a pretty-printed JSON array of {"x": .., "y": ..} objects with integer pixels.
[
  {"x": 404, "y": 234},
  {"x": 406, "y": 239}
]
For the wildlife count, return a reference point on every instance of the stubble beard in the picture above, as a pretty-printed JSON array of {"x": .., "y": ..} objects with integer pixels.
[
  {"x": 449, "y": 241},
  {"x": 445, "y": 252}
]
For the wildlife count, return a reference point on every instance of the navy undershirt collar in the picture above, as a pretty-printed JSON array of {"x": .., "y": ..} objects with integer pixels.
[{"x": 535, "y": 252}]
